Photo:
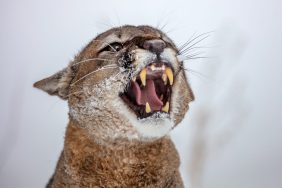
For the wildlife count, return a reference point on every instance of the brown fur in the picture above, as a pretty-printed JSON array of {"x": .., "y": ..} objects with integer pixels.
[
  {"x": 122, "y": 164},
  {"x": 102, "y": 148}
]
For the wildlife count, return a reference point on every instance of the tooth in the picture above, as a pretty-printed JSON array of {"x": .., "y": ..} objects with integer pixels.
[
  {"x": 153, "y": 67},
  {"x": 143, "y": 76},
  {"x": 164, "y": 77},
  {"x": 166, "y": 107},
  {"x": 169, "y": 74},
  {"x": 163, "y": 67},
  {"x": 148, "y": 108},
  {"x": 161, "y": 97},
  {"x": 134, "y": 78}
]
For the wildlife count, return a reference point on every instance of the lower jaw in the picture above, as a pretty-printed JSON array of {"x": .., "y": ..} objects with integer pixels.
[
  {"x": 139, "y": 111},
  {"x": 154, "y": 128},
  {"x": 156, "y": 115}
]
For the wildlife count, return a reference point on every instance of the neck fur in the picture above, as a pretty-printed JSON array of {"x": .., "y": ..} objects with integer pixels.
[{"x": 121, "y": 162}]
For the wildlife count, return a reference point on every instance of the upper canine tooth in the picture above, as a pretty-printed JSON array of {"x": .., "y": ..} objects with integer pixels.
[
  {"x": 134, "y": 78},
  {"x": 153, "y": 67},
  {"x": 148, "y": 108},
  {"x": 169, "y": 74},
  {"x": 164, "y": 77},
  {"x": 143, "y": 75},
  {"x": 166, "y": 107}
]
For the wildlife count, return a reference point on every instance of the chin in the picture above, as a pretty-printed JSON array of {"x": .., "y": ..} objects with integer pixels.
[{"x": 155, "y": 126}]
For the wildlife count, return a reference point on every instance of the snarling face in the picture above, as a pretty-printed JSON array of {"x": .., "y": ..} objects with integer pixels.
[{"x": 126, "y": 83}]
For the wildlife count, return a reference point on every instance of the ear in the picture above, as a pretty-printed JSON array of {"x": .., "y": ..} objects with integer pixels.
[{"x": 57, "y": 84}]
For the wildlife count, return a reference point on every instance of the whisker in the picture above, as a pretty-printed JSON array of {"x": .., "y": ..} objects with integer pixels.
[
  {"x": 201, "y": 47},
  {"x": 110, "y": 65},
  {"x": 182, "y": 57},
  {"x": 114, "y": 77},
  {"x": 192, "y": 39},
  {"x": 197, "y": 58},
  {"x": 185, "y": 58},
  {"x": 92, "y": 59},
  {"x": 108, "y": 25},
  {"x": 171, "y": 30},
  {"x": 196, "y": 73},
  {"x": 103, "y": 68},
  {"x": 194, "y": 54},
  {"x": 159, "y": 22},
  {"x": 162, "y": 28},
  {"x": 189, "y": 47},
  {"x": 106, "y": 44},
  {"x": 183, "y": 45}
]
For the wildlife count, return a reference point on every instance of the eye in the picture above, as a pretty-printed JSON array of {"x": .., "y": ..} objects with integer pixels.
[{"x": 113, "y": 47}]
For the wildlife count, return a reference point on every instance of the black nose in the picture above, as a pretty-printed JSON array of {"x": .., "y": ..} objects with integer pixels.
[{"x": 155, "y": 45}]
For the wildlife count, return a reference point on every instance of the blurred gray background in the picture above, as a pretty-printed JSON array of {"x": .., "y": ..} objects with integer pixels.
[{"x": 231, "y": 137}]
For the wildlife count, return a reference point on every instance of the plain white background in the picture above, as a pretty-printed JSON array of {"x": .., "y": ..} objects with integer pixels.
[{"x": 231, "y": 137}]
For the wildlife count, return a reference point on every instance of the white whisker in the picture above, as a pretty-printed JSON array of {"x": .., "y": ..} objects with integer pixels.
[
  {"x": 114, "y": 77},
  {"x": 106, "y": 44},
  {"x": 100, "y": 69},
  {"x": 74, "y": 93},
  {"x": 92, "y": 59}
]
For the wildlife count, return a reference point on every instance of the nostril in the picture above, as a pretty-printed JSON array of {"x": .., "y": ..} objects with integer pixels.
[{"x": 155, "y": 45}]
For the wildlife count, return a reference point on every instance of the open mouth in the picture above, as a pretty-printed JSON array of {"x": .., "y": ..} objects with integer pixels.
[{"x": 150, "y": 91}]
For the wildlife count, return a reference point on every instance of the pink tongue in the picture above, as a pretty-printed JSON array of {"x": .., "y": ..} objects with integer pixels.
[{"x": 147, "y": 94}]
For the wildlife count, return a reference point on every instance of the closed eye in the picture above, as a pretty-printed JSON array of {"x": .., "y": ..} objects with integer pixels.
[{"x": 113, "y": 47}]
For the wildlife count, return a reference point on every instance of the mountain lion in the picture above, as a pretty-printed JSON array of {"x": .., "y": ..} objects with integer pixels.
[{"x": 126, "y": 91}]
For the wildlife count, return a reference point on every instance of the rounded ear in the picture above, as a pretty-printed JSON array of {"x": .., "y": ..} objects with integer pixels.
[{"x": 57, "y": 84}]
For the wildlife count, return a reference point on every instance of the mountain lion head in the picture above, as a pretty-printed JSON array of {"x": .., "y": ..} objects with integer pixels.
[{"x": 127, "y": 83}]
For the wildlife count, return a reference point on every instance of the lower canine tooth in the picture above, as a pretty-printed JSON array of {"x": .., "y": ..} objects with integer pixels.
[
  {"x": 164, "y": 77},
  {"x": 148, "y": 108},
  {"x": 169, "y": 74},
  {"x": 134, "y": 79},
  {"x": 143, "y": 76},
  {"x": 166, "y": 107}
]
